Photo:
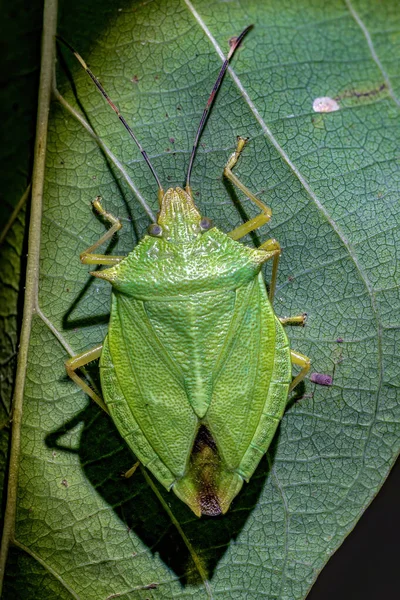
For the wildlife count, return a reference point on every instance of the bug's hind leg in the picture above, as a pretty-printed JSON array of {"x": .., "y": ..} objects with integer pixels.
[
  {"x": 266, "y": 212},
  {"x": 131, "y": 471},
  {"x": 79, "y": 361},
  {"x": 302, "y": 361},
  {"x": 87, "y": 257}
]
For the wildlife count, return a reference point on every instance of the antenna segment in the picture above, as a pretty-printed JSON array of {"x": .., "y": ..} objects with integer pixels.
[
  {"x": 234, "y": 44},
  {"x": 115, "y": 109}
]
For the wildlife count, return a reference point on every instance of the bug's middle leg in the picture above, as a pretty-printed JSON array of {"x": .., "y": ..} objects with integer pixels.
[
  {"x": 129, "y": 473},
  {"x": 266, "y": 212},
  {"x": 79, "y": 361},
  {"x": 302, "y": 361},
  {"x": 273, "y": 248}
]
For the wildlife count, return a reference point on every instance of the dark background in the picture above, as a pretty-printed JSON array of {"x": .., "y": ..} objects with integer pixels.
[{"x": 366, "y": 566}]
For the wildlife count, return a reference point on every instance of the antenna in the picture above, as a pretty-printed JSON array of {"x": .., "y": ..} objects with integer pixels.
[
  {"x": 115, "y": 109},
  {"x": 234, "y": 43}
]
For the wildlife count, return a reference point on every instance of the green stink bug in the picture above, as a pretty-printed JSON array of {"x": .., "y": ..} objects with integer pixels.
[{"x": 195, "y": 369}]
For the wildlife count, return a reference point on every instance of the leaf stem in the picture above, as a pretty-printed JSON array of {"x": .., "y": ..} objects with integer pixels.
[
  {"x": 32, "y": 271},
  {"x": 195, "y": 558}
]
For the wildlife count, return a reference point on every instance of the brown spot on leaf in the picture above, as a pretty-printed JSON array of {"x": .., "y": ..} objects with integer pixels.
[
  {"x": 362, "y": 93},
  {"x": 151, "y": 586}
]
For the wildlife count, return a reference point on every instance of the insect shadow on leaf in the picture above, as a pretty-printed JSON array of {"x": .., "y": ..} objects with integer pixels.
[
  {"x": 102, "y": 451},
  {"x": 210, "y": 408},
  {"x": 107, "y": 162}
]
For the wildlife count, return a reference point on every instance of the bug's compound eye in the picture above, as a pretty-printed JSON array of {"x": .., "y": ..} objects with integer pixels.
[
  {"x": 155, "y": 230},
  {"x": 205, "y": 224}
]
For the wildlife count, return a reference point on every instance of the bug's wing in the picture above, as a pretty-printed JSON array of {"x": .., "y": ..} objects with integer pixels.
[
  {"x": 251, "y": 381},
  {"x": 274, "y": 404},
  {"x": 247, "y": 370},
  {"x": 145, "y": 394}
]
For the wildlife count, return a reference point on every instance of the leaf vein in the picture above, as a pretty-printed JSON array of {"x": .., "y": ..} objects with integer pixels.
[{"x": 371, "y": 47}]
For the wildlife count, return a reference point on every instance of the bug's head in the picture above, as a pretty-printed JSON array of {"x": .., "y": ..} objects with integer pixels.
[{"x": 179, "y": 220}]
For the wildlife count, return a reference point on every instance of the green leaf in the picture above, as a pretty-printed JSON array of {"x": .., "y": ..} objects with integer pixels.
[{"x": 332, "y": 180}]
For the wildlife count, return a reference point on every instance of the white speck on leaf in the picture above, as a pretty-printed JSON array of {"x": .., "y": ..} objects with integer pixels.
[{"x": 325, "y": 104}]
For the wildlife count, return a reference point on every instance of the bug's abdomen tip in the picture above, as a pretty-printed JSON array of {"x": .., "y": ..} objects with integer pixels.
[{"x": 209, "y": 505}]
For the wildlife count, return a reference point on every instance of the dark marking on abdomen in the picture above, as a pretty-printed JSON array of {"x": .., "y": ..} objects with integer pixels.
[{"x": 205, "y": 464}]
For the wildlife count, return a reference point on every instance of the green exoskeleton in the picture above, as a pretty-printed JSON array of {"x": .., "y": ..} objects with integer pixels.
[{"x": 196, "y": 367}]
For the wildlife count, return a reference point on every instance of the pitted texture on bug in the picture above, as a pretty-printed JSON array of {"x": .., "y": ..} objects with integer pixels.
[
  {"x": 179, "y": 216},
  {"x": 181, "y": 260},
  {"x": 196, "y": 367}
]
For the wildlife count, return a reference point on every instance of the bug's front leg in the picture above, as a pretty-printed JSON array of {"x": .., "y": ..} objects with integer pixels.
[
  {"x": 302, "y": 361},
  {"x": 266, "y": 212},
  {"x": 87, "y": 257},
  {"x": 79, "y": 361}
]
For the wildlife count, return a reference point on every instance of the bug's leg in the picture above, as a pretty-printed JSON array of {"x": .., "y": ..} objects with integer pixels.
[
  {"x": 297, "y": 320},
  {"x": 131, "y": 471},
  {"x": 273, "y": 248},
  {"x": 266, "y": 212},
  {"x": 87, "y": 257},
  {"x": 303, "y": 362},
  {"x": 79, "y": 361}
]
